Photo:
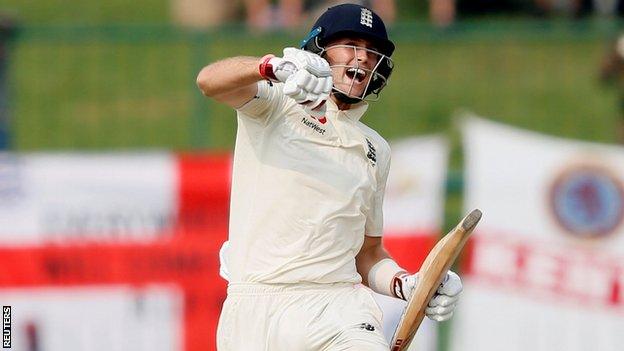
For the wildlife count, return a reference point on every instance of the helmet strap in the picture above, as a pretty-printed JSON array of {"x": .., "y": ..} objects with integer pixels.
[{"x": 342, "y": 97}]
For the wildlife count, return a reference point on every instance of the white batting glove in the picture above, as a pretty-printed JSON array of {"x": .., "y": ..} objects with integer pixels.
[
  {"x": 442, "y": 304},
  {"x": 307, "y": 77}
]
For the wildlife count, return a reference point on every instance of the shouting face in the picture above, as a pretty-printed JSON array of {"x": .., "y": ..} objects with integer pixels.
[{"x": 353, "y": 62}]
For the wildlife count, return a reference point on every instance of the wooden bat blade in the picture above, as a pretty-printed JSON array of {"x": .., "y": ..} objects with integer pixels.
[{"x": 432, "y": 271}]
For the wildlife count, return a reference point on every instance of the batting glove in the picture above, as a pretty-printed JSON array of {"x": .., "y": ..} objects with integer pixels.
[
  {"x": 442, "y": 304},
  {"x": 307, "y": 77}
]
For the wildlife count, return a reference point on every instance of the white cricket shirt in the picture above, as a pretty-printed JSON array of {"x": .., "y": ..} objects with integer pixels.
[{"x": 305, "y": 191}]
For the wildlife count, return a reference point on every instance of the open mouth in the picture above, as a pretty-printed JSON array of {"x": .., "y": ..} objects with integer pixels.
[{"x": 356, "y": 74}]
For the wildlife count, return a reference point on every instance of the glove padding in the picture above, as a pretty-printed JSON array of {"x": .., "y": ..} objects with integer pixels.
[
  {"x": 442, "y": 304},
  {"x": 307, "y": 77}
]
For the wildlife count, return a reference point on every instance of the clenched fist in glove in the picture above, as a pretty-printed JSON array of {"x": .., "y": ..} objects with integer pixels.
[
  {"x": 442, "y": 304},
  {"x": 307, "y": 77}
]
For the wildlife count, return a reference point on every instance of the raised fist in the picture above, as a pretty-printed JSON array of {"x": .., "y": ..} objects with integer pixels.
[{"x": 307, "y": 77}]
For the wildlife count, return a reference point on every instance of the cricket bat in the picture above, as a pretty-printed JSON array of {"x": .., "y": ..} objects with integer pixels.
[{"x": 432, "y": 272}]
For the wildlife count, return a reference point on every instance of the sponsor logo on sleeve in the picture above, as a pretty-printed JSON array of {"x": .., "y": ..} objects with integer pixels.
[{"x": 372, "y": 152}]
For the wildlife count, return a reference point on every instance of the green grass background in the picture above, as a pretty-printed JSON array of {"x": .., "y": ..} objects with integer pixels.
[
  {"x": 117, "y": 74},
  {"x": 125, "y": 86}
]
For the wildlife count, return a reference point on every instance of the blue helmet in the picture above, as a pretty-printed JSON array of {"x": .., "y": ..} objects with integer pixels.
[{"x": 357, "y": 21}]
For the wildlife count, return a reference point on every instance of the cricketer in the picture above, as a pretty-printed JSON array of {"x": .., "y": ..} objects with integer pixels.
[{"x": 308, "y": 185}]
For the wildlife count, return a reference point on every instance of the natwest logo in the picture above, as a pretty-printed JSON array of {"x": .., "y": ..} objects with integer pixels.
[{"x": 313, "y": 125}]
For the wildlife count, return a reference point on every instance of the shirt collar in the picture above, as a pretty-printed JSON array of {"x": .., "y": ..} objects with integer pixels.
[{"x": 354, "y": 113}]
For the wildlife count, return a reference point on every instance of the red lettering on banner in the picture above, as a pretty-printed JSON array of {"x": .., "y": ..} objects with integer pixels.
[
  {"x": 569, "y": 274},
  {"x": 521, "y": 263},
  {"x": 616, "y": 290}
]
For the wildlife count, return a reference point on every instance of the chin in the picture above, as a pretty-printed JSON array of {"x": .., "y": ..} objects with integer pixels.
[{"x": 356, "y": 92}]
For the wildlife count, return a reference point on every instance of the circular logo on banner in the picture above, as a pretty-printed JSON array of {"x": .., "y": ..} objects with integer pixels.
[{"x": 588, "y": 201}]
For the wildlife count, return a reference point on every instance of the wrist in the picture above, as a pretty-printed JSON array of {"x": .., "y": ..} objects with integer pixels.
[
  {"x": 385, "y": 277},
  {"x": 399, "y": 285},
  {"x": 265, "y": 67}
]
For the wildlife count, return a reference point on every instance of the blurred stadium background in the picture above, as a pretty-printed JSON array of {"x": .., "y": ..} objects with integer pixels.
[
  {"x": 119, "y": 76},
  {"x": 86, "y": 75}
]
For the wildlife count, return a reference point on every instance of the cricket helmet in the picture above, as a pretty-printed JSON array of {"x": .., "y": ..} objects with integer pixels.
[{"x": 351, "y": 20}]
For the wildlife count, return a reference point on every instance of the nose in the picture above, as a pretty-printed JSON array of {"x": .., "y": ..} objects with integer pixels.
[
  {"x": 361, "y": 55},
  {"x": 366, "y": 58}
]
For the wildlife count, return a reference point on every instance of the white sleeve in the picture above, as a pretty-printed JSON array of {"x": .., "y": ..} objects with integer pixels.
[
  {"x": 267, "y": 100},
  {"x": 224, "y": 271},
  {"x": 374, "y": 220}
]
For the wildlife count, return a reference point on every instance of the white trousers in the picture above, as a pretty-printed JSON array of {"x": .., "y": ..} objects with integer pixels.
[{"x": 315, "y": 317}]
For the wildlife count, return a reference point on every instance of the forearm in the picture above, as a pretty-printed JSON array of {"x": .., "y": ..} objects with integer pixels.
[
  {"x": 377, "y": 268},
  {"x": 384, "y": 276},
  {"x": 367, "y": 258},
  {"x": 228, "y": 75}
]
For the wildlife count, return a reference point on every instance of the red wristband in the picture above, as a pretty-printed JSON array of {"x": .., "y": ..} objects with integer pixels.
[{"x": 266, "y": 69}]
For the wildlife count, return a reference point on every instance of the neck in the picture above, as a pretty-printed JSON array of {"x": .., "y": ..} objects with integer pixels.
[{"x": 341, "y": 105}]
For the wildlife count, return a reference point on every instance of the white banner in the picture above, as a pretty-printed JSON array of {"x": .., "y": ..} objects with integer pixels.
[
  {"x": 84, "y": 197},
  {"x": 413, "y": 217},
  {"x": 108, "y": 318},
  {"x": 547, "y": 266},
  {"x": 414, "y": 201}
]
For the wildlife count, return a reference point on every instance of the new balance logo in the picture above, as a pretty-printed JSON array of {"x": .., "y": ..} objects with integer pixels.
[
  {"x": 366, "y": 18},
  {"x": 367, "y": 326}
]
